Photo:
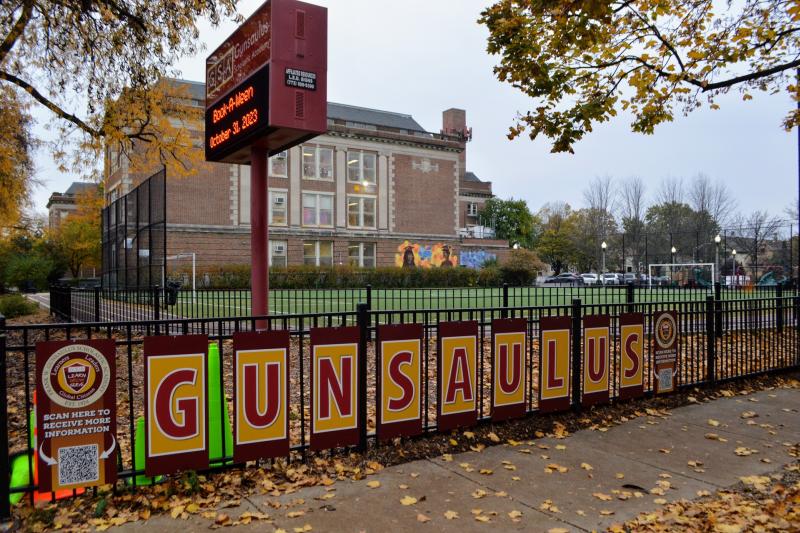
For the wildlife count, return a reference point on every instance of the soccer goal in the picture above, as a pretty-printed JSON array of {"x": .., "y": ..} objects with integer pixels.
[{"x": 683, "y": 274}]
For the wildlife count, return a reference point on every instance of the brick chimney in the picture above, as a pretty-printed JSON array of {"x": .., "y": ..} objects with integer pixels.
[{"x": 454, "y": 123}]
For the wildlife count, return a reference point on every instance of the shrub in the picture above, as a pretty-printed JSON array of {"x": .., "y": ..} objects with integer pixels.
[
  {"x": 14, "y": 305},
  {"x": 521, "y": 267}
]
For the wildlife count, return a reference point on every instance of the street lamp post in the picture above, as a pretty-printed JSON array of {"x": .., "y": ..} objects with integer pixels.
[
  {"x": 603, "y": 247},
  {"x": 735, "y": 270},
  {"x": 673, "y": 251},
  {"x": 717, "y": 240}
]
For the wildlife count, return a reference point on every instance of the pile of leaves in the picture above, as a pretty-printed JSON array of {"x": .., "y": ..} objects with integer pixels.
[{"x": 757, "y": 503}]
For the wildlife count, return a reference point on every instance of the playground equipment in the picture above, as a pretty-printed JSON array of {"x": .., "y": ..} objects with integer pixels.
[{"x": 771, "y": 279}]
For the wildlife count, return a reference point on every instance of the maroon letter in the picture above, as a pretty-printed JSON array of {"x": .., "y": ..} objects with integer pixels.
[
  {"x": 329, "y": 384},
  {"x": 251, "y": 393},
  {"x": 509, "y": 387},
  {"x": 453, "y": 383},
  {"x": 186, "y": 406},
  {"x": 401, "y": 380},
  {"x": 553, "y": 381},
  {"x": 632, "y": 355}
]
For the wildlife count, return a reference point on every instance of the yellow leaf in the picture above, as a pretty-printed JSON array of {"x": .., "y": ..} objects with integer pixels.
[
  {"x": 295, "y": 514},
  {"x": 469, "y": 434},
  {"x": 587, "y": 466},
  {"x": 513, "y": 515},
  {"x": 422, "y": 518},
  {"x": 408, "y": 500},
  {"x": 486, "y": 472},
  {"x": 601, "y": 496},
  {"x": 176, "y": 511},
  {"x": 450, "y": 515},
  {"x": 482, "y": 518},
  {"x": 374, "y": 484},
  {"x": 712, "y": 422},
  {"x": 493, "y": 437}
]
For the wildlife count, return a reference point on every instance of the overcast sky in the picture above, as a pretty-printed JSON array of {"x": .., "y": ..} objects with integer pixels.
[{"x": 422, "y": 57}]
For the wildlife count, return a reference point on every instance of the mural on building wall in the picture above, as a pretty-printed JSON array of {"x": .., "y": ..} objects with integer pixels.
[
  {"x": 425, "y": 255},
  {"x": 476, "y": 258}
]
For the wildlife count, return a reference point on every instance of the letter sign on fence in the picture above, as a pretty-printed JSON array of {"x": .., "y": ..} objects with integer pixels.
[
  {"x": 399, "y": 381},
  {"x": 176, "y": 409},
  {"x": 595, "y": 360},
  {"x": 334, "y": 387},
  {"x": 554, "y": 373},
  {"x": 665, "y": 351},
  {"x": 631, "y": 367},
  {"x": 457, "y": 376},
  {"x": 508, "y": 368},
  {"x": 261, "y": 392},
  {"x": 76, "y": 415}
]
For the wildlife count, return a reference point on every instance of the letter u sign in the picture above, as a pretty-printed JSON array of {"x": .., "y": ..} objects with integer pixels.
[
  {"x": 176, "y": 410},
  {"x": 508, "y": 368},
  {"x": 595, "y": 360}
]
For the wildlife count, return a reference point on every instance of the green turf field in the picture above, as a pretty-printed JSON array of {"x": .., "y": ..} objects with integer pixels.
[{"x": 236, "y": 303}]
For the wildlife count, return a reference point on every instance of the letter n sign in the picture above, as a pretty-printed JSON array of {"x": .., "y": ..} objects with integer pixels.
[
  {"x": 261, "y": 391},
  {"x": 508, "y": 368},
  {"x": 554, "y": 371},
  {"x": 176, "y": 410},
  {"x": 595, "y": 360},
  {"x": 631, "y": 366},
  {"x": 457, "y": 376},
  {"x": 334, "y": 387},
  {"x": 399, "y": 381}
]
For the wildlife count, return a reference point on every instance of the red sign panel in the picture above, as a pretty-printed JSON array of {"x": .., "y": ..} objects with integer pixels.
[
  {"x": 665, "y": 351},
  {"x": 596, "y": 356},
  {"x": 176, "y": 406},
  {"x": 261, "y": 395},
  {"x": 334, "y": 387},
  {"x": 242, "y": 54},
  {"x": 458, "y": 375},
  {"x": 631, "y": 366},
  {"x": 399, "y": 381},
  {"x": 76, "y": 416},
  {"x": 554, "y": 367},
  {"x": 266, "y": 85},
  {"x": 508, "y": 368}
]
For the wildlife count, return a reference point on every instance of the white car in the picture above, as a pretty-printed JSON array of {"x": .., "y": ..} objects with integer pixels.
[
  {"x": 590, "y": 278},
  {"x": 610, "y": 278}
]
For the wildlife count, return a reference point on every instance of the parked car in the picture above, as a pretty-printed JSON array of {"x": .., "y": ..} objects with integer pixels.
[
  {"x": 590, "y": 278},
  {"x": 566, "y": 278},
  {"x": 630, "y": 277},
  {"x": 611, "y": 278}
]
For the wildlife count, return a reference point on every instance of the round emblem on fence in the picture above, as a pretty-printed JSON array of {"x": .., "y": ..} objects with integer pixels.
[
  {"x": 75, "y": 376},
  {"x": 666, "y": 331}
]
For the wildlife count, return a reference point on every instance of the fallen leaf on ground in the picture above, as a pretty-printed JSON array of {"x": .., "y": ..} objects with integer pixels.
[
  {"x": 373, "y": 484},
  {"x": 408, "y": 500},
  {"x": 422, "y": 518},
  {"x": 450, "y": 515}
]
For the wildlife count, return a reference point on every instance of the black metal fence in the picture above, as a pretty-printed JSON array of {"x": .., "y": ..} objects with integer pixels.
[
  {"x": 760, "y": 335},
  {"x": 134, "y": 236},
  {"x": 154, "y": 303}
]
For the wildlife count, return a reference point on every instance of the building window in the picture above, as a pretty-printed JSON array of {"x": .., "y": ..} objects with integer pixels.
[
  {"x": 318, "y": 253},
  {"x": 277, "y": 253},
  {"x": 361, "y": 166},
  {"x": 361, "y": 211},
  {"x": 279, "y": 165},
  {"x": 317, "y": 163},
  {"x": 317, "y": 209},
  {"x": 472, "y": 209},
  {"x": 362, "y": 254},
  {"x": 277, "y": 208}
]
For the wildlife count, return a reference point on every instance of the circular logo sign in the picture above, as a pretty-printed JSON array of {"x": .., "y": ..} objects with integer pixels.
[
  {"x": 76, "y": 376},
  {"x": 666, "y": 331}
]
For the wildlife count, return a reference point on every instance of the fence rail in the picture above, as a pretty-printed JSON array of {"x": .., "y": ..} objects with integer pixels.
[
  {"x": 155, "y": 303},
  {"x": 760, "y": 335}
]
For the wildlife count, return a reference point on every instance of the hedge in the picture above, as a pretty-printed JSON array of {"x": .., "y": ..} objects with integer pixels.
[{"x": 237, "y": 276}]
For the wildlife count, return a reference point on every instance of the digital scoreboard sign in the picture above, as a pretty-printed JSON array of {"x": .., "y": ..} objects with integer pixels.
[{"x": 266, "y": 85}]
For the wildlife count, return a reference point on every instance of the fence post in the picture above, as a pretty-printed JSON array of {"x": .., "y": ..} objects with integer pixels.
[
  {"x": 797, "y": 330},
  {"x": 156, "y": 308},
  {"x": 504, "y": 313},
  {"x": 711, "y": 340},
  {"x": 718, "y": 309},
  {"x": 630, "y": 296},
  {"x": 97, "y": 304},
  {"x": 369, "y": 296},
  {"x": 363, "y": 326},
  {"x": 779, "y": 306},
  {"x": 576, "y": 354},
  {"x": 68, "y": 303},
  {"x": 5, "y": 475}
]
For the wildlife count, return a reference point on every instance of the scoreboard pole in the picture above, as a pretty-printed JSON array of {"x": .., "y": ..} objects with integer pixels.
[{"x": 259, "y": 236}]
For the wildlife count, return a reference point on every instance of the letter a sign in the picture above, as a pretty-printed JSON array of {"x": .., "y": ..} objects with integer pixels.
[
  {"x": 508, "y": 368},
  {"x": 399, "y": 381},
  {"x": 176, "y": 410},
  {"x": 554, "y": 368},
  {"x": 334, "y": 387},
  {"x": 458, "y": 368},
  {"x": 261, "y": 392}
]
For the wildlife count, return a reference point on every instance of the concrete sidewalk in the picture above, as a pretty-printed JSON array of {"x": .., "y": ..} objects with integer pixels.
[{"x": 585, "y": 482}]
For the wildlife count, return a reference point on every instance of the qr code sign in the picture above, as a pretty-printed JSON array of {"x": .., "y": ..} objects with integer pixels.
[
  {"x": 78, "y": 464},
  {"x": 665, "y": 379}
]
